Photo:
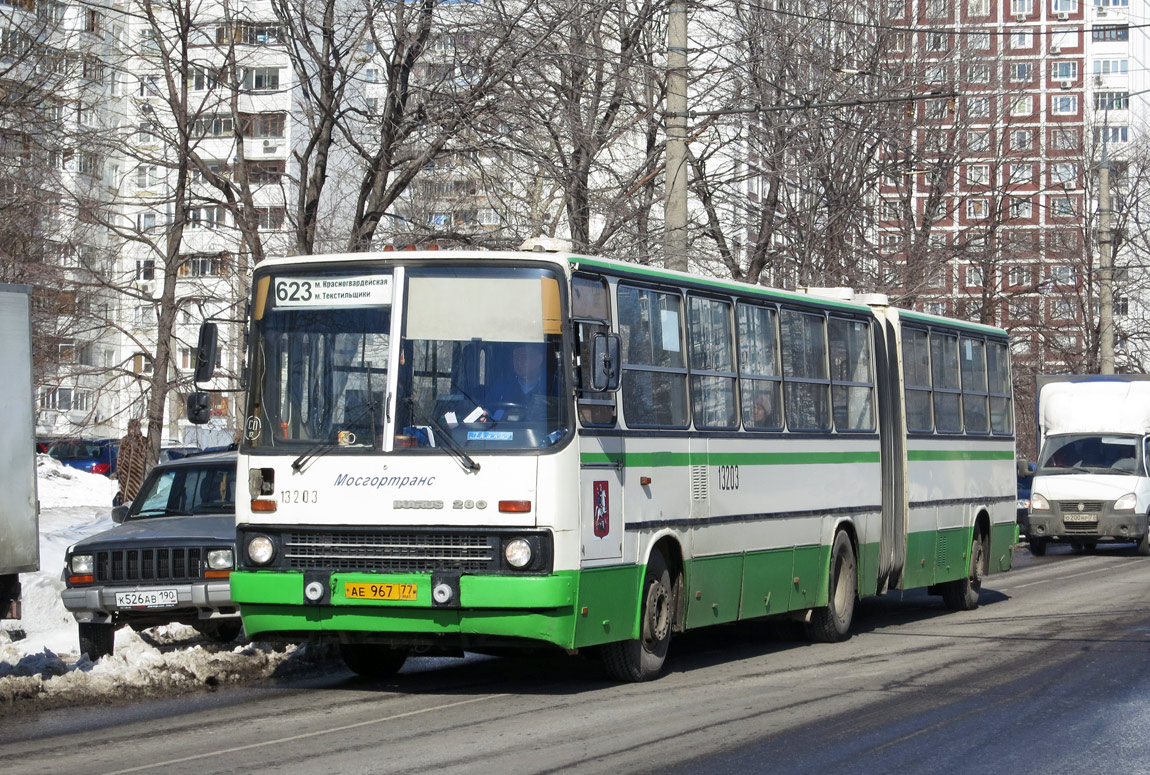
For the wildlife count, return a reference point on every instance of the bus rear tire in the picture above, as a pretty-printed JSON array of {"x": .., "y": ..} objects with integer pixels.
[
  {"x": 641, "y": 660},
  {"x": 832, "y": 623},
  {"x": 962, "y": 594},
  {"x": 372, "y": 660}
]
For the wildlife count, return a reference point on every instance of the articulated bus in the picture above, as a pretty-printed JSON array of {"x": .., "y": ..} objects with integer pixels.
[{"x": 475, "y": 450}]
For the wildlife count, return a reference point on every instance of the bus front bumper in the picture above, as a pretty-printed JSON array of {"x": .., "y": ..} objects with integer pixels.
[{"x": 288, "y": 605}]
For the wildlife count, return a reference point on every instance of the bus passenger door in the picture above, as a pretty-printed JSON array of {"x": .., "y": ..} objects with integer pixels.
[
  {"x": 601, "y": 496},
  {"x": 892, "y": 553}
]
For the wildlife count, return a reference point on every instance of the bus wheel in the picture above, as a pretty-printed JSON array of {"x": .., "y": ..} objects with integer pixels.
[
  {"x": 642, "y": 659},
  {"x": 832, "y": 623},
  {"x": 962, "y": 595},
  {"x": 1037, "y": 547},
  {"x": 372, "y": 660}
]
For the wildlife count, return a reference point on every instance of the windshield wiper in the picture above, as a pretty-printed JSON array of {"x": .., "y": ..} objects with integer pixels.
[
  {"x": 162, "y": 513},
  {"x": 444, "y": 435}
]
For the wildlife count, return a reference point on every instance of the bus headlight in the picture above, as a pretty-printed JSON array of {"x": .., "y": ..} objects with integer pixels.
[
  {"x": 82, "y": 564},
  {"x": 220, "y": 559},
  {"x": 261, "y": 550},
  {"x": 1127, "y": 502},
  {"x": 1038, "y": 503},
  {"x": 518, "y": 553}
]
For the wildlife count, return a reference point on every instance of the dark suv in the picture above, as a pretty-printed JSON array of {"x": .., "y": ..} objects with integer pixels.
[{"x": 168, "y": 559}]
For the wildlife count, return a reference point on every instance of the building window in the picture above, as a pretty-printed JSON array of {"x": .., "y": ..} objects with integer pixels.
[
  {"x": 978, "y": 175},
  {"x": 1021, "y": 174},
  {"x": 1021, "y": 208},
  {"x": 1064, "y": 139},
  {"x": 978, "y": 141},
  {"x": 1111, "y": 3},
  {"x": 265, "y": 171},
  {"x": 1064, "y": 104},
  {"x": 1062, "y": 39},
  {"x": 263, "y": 124},
  {"x": 1111, "y": 66},
  {"x": 1064, "y": 6},
  {"x": 1063, "y": 174},
  {"x": 935, "y": 74},
  {"x": 145, "y": 269},
  {"x": 147, "y": 176},
  {"x": 937, "y": 41},
  {"x": 1110, "y": 32},
  {"x": 1022, "y": 7},
  {"x": 1063, "y": 274},
  {"x": 1021, "y": 105},
  {"x": 1064, "y": 71},
  {"x": 978, "y": 41},
  {"x": 1022, "y": 71},
  {"x": 1111, "y": 134},
  {"x": 1061, "y": 206},
  {"x": 978, "y": 7},
  {"x": 979, "y": 73},
  {"x": 212, "y": 126},
  {"x": 204, "y": 265},
  {"x": 489, "y": 217},
  {"x": 1111, "y": 100},
  {"x": 271, "y": 217},
  {"x": 977, "y": 209},
  {"x": 262, "y": 78},
  {"x": 1019, "y": 275},
  {"x": 208, "y": 217},
  {"x": 973, "y": 276},
  {"x": 1021, "y": 39},
  {"x": 145, "y": 221},
  {"x": 976, "y": 107}
]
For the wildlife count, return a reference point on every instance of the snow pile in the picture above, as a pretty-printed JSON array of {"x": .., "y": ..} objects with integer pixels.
[{"x": 39, "y": 654}]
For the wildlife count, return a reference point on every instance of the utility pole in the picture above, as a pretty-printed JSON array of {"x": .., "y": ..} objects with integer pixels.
[
  {"x": 1105, "y": 269},
  {"x": 675, "y": 216}
]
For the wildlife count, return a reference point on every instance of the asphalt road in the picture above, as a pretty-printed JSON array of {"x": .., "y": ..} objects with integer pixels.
[{"x": 1051, "y": 674}]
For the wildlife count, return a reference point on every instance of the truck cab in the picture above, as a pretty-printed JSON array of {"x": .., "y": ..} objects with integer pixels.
[{"x": 1092, "y": 483}]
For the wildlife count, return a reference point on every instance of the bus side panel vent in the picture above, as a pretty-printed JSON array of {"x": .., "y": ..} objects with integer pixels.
[{"x": 699, "y": 483}]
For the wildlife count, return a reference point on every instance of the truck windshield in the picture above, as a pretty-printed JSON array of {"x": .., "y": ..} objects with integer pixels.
[
  {"x": 476, "y": 358},
  {"x": 1092, "y": 454}
]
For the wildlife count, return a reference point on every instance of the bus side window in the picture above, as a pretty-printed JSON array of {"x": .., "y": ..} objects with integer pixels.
[
  {"x": 589, "y": 299},
  {"x": 945, "y": 381},
  {"x": 916, "y": 376},
  {"x": 806, "y": 385},
  {"x": 852, "y": 391}
]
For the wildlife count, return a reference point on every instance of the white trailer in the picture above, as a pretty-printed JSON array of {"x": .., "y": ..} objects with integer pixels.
[
  {"x": 19, "y": 507},
  {"x": 1092, "y": 483}
]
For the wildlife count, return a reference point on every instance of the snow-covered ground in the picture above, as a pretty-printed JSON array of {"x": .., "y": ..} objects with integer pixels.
[{"x": 39, "y": 659}]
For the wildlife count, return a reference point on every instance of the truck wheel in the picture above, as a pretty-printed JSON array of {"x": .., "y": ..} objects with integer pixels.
[
  {"x": 832, "y": 623},
  {"x": 373, "y": 660},
  {"x": 96, "y": 640},
  {"x": 962, "y": 594},
  {"x": 1037, "y": 547},
  {"x": 642, "y": 659},
  {"x": 1144, "y": 545},
  {"x": 223, "y": 631}
]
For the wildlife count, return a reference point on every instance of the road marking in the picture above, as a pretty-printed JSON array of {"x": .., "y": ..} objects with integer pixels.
[
  {"x": 305, "y": 735},
  {"x": 1071, "y": 576}
]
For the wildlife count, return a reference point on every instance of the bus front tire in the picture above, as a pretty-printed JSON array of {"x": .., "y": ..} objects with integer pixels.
[
  {"x": 372, "y": 660},
  {"x": 962, "y": 594},
  {"x": 642, "y": 659},
  {"x": 97, "y": 640},
  {"x": 832, "y": 623},
  {"x": 1037, "y": 546}
]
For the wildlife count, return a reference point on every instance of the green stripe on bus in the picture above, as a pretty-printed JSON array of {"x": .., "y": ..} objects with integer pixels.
[
  {"x": 931, "y": 455},
  {"x": 664, "y": 459}
]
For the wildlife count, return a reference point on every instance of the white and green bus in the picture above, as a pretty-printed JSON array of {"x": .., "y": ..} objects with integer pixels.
[{"x": 476, "y": 450}]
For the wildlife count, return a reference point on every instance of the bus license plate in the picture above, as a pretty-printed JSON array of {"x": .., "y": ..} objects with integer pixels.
[
  {"x": 1079, "y": 518},
  {"x": 150, "y": 598},
  {"x": 365, "y": 591}
]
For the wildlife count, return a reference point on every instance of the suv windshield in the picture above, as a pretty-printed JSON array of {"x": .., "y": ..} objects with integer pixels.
[
  {"x": 187, "y": 490},
  {"x": 1092, "y": 454},
  {"x": 477, "y": 361}
]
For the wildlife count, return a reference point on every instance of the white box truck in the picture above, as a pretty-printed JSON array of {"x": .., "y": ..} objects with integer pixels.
[
  {"x": 19, "y": 507},
  {"x": 1092, "y": 483}
]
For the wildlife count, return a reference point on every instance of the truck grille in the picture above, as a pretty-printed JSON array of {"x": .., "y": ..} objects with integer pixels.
[
  {"x": 391, "y": 552},
  {"x": 166, "y": 564},
  {"x": 1080, "y": 507}
]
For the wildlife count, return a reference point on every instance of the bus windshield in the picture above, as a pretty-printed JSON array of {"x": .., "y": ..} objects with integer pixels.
[{"x": 476, "y": 359}]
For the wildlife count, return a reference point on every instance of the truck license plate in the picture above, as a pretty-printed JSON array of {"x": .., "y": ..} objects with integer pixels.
[
  {"x": 365, "y": 591},
  {"x": 149, "y": 598},
  {"x": 1079, "y": 518}
]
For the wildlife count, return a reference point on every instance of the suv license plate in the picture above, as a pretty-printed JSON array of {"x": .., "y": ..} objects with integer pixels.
[
  {"x": 1079, "y": 518},
  {"x": 150, "y": 598}
]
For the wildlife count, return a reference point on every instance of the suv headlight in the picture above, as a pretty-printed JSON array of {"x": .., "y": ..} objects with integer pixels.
[
  {"x": 221, "y": 559},
  {"x": 82, "y": 565},
  {"x": 1038, "y": 502},
  {"x": 1127, "y": 502}
]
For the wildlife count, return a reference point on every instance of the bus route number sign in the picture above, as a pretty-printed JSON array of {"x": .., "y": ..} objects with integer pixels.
[
  {"x": 354, "y": 590},
  {"x": 319, "y": 291}
]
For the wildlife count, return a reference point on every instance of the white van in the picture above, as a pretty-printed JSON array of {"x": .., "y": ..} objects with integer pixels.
[{"x": 1092, "y": 483}]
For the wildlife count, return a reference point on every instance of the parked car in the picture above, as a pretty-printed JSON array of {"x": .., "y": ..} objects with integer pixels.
[
  {"x": 96, "y": 456},
  {"x": 1025, "y": 480},
  {"x": 167, "y": 560},
  {"x": 176, "y": 452}
]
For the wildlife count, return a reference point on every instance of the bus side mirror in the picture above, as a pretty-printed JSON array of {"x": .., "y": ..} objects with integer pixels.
[
  {"x": 206, "y": 354},
  {"x": 605, "y": 362},
  {"x": 199, "y": 408}
]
